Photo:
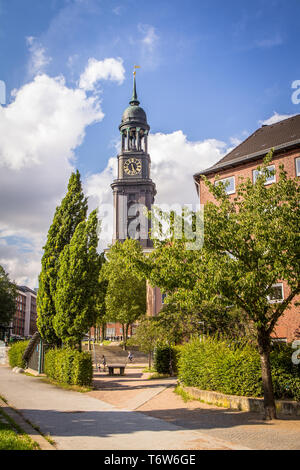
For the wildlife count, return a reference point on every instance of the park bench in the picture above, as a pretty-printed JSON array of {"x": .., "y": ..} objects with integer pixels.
[{"x": 116, "y": 363}]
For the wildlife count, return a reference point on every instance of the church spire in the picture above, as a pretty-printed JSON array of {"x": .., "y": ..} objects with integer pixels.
[{"x": 134, "y": 101}]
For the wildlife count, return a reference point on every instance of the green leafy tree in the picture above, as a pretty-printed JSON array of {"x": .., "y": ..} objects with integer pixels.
[
  {"x": 68, "y": 215},
  {"x": 77, "y": 283},
  {"x": 8, "y": 295},
  {"x": 99, "y": 310},
  {"x": 146, "y": 337},
  {"x": 251, "y": 242},
  {"x": 125, "y": 299},
  {"x": 183, "y": 316}
]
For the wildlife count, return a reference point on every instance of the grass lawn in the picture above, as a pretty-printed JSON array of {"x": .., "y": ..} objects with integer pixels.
[
  {"x": 157, "y": 375},
  {"x": 12, "y": 437}
]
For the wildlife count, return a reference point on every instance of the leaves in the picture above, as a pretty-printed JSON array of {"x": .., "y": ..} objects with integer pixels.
[
  {"x": 68, "y": 215},
  {"x": 251, "y": 241},
  {"x": 8, "y": 294},
  {"x": 77, "y": 280},
  {"x": 125, "y": 299}
]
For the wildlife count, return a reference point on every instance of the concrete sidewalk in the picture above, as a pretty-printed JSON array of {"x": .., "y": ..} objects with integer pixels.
[
  {"x": 156, "y": 398},
  {"x": 129, "y": 391},
  {"x": 241, "y": 427},
  {"x": 3, "y": 353},
  {"x": 77, "y": 421}
]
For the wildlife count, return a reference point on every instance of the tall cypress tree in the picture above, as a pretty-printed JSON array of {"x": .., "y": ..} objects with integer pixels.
[
  {"x": 77, "y": 283},
  {"x": 68, "y": 215}
]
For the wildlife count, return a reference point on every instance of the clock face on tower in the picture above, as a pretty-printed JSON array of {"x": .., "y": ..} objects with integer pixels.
[{"x": 132, "y": 166}]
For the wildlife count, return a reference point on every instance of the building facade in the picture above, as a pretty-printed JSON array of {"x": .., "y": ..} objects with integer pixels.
[
  {"x": 24, "y": 321},
  {"x": 133, "y": 191},
  {"x": 242, "y": 162}
]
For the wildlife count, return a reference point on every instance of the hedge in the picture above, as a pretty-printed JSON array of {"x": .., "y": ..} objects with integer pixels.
[
  {"x": 15, "y": 354},
  {"x": 69, "y": 366},
  {"x": 166, "y": 359},
  {"x": 236, "y": 370}
]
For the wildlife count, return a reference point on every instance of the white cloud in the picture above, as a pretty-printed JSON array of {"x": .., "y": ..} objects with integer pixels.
[
  {"x": 97, "y": 188},
  {"x": 40, "y": 131},
  {"x": 118, "y": 10},
  {"x": 148, "y": 46},
  {"x": 96, "y": 70},
  {"x": 46, "y": 120},
  {"x": 275, "y": 118},
  {"x": 22, "y": 267},
  {"x": 174, "y": 161},
  {"x": 38, "y": 59},
  {"x": 150, "y": 37},
  {"x": 269, "y": 42}
]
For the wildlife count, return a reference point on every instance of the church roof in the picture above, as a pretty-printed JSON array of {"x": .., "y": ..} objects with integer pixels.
[
  {"x": 280, "y": 136},
  {"x": 134, "y": 114}
]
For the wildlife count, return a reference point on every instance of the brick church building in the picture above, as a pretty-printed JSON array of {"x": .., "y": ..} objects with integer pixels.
[
  {"x": 133, "y": 189},
  {"x": 242, "y": 161}
]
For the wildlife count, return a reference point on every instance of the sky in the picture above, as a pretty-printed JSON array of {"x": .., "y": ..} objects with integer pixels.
[{"x": 211, "y": 73}]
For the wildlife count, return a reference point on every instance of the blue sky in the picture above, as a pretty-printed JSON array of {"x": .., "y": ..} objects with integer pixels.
[
  {"x": 211, "y": 73},
  {"x": 216, "y": 68}
]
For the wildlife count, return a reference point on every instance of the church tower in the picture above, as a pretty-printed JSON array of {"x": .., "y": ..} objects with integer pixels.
[{"x": 133, "y": 190}]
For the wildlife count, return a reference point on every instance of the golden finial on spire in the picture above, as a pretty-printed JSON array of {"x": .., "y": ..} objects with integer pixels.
[{"x": 135, "y": 67}]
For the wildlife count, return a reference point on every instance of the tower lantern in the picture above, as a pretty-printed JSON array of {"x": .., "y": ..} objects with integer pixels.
[{"x": 133, "y": 189}]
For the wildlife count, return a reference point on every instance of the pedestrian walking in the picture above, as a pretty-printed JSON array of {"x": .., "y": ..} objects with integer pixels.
[
  {"x": 130, "y": 356},
  {"x": 103, "y": 362}
]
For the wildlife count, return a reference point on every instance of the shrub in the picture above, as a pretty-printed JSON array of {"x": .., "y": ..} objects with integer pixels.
[
  {"x": 15, "y": 354},
  {"x": 82, "y": 372},
  {"x": 69, "y": 366},
  {"x": 166, "y": 359},
  {"x": 162, "y": 357},
  {"x": 235, "y": 369},
  {"x": 285, "y": 374}
]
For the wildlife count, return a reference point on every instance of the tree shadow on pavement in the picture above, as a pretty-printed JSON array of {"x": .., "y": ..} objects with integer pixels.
[{"x": 105, "y": 422}]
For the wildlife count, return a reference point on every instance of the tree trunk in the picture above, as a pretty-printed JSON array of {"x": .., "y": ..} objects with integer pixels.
[
  {"x": 103, "y": 331},
  {"x": 149, "y": 357},
  {"x": 124, "y": 329},
  {"x": 126, "y": 335},
  {"x": 264, "y": 346}
]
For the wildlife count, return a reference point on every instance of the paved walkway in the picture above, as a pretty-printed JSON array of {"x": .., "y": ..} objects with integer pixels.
[
  {"x": 3, "y": 353},
  {"x": 151, "y": 397},
  {"x": 129, "y": 391},
  {"x": 81, "y": 421},
  {"x": 241, "y": 428},
  {"x": 132, "y": 412}
]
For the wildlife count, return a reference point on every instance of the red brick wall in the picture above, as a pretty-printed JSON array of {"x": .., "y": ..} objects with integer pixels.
[
  {"x": 118, "y": 331},
  {"x": 288, "y": 325},
  {"x": 245, "y": 171},
  {"x": 154, "y": 300}
]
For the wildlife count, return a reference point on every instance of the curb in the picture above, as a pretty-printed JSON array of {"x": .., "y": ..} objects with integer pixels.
[
  {"x": 283, "y": 407},
  {"x": 26, "y": 427}
]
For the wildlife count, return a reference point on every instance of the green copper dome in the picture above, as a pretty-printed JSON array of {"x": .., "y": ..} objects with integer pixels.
[{"x": 134, "y": 113}]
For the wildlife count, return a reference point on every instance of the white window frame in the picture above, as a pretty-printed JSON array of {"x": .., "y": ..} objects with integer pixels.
[
  {"x": 223, "y": 180},
  {"x": 256, "y": 173},
  {"x": 277, "y": 301},
  {"x": 110, "y": 332},
  {"x": 278, "y": 340},
  {"x": 297, "y": 161}
]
